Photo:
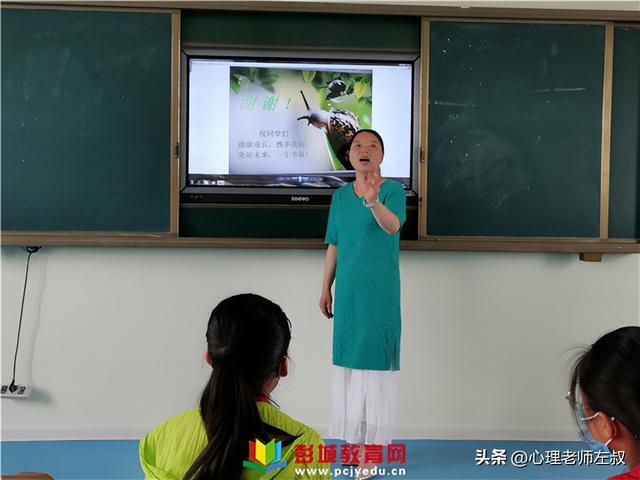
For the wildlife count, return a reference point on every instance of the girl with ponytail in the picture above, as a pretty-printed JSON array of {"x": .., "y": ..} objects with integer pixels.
[{"x": 247, "y": 342}]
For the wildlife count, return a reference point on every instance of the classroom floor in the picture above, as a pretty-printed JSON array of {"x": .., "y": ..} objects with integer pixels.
[{"x": 425, "y": 460}]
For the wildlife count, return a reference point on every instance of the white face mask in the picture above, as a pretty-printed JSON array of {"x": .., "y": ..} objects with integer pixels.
[{"x": 585, "y": 435}]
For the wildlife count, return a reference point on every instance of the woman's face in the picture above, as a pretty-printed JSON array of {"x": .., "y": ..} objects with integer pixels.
[{"x": 366, "y": 153}]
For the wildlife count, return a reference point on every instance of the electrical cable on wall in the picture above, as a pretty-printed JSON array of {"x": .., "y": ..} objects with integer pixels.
[{"x": 12, "y": 386}]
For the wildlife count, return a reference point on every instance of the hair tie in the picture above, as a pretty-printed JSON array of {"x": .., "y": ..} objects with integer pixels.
[{"x": 223, "y": 355}]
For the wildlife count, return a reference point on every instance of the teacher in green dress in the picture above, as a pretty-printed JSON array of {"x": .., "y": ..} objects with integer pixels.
[{"x": 363, "y": 237}]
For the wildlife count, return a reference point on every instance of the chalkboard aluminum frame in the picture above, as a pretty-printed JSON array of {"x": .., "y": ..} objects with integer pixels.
[
  {"x": 78, "y": 237},
  {"x": 616, "y": 171},
  {"x": 605, "y": 144}
]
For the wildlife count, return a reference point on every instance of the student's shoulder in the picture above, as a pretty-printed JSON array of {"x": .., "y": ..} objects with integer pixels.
[
  {"x": 169, "y": 449},
  {"x": 277, "y": 418},
  {"x": 630, "y": 475},
  {"x": 188, "y": 423},
  {"x": 186, "y": 418}
]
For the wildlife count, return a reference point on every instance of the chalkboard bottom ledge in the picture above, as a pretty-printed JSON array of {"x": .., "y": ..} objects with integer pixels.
[
  {"x": 82, "y": 238},
  {"x": 145, "y": 240},
  {"x": 168, "y": 240},
  {"x": 511, "y": 244}
]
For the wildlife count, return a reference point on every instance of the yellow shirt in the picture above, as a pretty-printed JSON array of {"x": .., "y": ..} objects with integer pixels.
[{"x": 171, "y": 448}]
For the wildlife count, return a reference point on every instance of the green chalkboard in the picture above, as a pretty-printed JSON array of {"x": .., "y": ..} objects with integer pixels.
[
  {"x": 624, "y": 196},
  {"x": 86, "y": 120},
  {"x": 298, "y": 30},
  {"x": 514, "y": 129}
]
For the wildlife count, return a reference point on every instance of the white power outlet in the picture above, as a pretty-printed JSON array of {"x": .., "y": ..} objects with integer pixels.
[{"x": 21, "y": 391}]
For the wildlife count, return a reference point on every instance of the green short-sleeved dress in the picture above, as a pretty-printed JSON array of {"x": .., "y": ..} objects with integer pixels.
[{"x": 366, "y": 328}]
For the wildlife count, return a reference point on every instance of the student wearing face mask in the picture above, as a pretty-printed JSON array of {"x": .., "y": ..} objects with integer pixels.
[{"x": 605, "y": 396}]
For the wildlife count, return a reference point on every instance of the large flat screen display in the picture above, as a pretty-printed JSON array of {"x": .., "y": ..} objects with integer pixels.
[{"x": 280, "y": 126}]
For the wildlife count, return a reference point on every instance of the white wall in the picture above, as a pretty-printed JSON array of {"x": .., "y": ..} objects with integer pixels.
[{"x": 113, "y": 338}]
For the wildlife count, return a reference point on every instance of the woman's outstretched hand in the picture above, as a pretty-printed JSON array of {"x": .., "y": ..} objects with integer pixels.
[{"x": 372, "y": 182}]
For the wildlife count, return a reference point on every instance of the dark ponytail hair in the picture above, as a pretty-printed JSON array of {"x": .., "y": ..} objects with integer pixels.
[
  {"x": 609, "y": 375},
  {"x": 247, "y": 338}
]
